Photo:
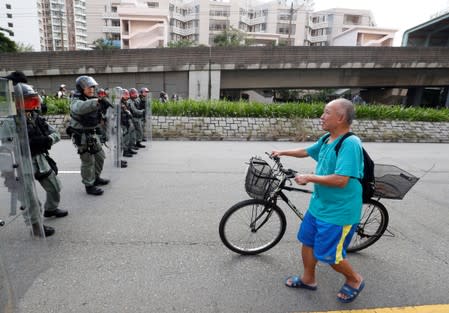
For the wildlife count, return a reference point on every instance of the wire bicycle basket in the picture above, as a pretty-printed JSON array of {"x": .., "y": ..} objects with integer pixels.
[
  {"x": 391, "y": 182},
  {"x": 261, "y": 179}
]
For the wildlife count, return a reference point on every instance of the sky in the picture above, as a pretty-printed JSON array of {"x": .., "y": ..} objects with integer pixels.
[{"x": 394, "y": 14}]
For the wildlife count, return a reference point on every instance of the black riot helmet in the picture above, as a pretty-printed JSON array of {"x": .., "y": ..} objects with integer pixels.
[
  {"x": 84, "y": 82},
  {"x": 17, "y": 77}
]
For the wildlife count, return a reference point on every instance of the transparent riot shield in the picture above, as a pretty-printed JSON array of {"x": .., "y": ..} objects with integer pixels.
[
  {"x": 148, "y": 127},
  {"x": 20, "y": 209},
  {"x": 114, "y": 126}
]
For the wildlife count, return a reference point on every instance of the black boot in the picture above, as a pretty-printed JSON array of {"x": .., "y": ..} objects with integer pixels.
[
  {"x": 123, "y": 164},
  {"x": 131, "y": 151},
  {"x": 56, "y": 213},
  {"x": 126, "y": 154},
  {"x": 101, "y": 181},
  {"x": 140, "y": 145},
  {"x": 37, "y": 231},
  {"x": 94, "y": 190}
]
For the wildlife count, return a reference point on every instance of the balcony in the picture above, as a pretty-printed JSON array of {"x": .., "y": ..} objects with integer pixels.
[
  {"x": 318, "y": 25},
  {"x": 184, "y": 18},
  {"x": 111, "y": 29},
  {"x": 253, "y": 21},
  {"x": 110, "y": 16},
  {"x": 315, "y": 39},
  {"x": 184, "y": 32}
]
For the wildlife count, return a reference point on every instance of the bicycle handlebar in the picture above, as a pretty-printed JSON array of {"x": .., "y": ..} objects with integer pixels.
[{"x": 289, "y": 173}]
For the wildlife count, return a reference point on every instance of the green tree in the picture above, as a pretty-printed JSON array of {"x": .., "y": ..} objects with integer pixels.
[
  {"x": 183, "y": 43},
  {"x": 21, "y": 47},
  {"x": 6, "y": 44},
  {"x": 103, "y": 44},
  {"x": 230, "y": 37}
]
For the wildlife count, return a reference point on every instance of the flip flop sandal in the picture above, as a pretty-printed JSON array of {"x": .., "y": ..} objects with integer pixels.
[
  {"x": 295, "y": 282},
  {"x": 350, "y": 292}
]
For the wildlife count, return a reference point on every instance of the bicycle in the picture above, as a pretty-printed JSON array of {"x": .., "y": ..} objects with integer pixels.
[{"x": 256, "y": 225}]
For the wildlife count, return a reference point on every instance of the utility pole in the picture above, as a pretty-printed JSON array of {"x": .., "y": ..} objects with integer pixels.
[
  {"x": 62, "y": 25},
  {"x": 290, "y": 25}
]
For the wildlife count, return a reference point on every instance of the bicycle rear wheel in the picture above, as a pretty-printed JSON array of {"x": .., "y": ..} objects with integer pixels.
[
  {"x": 252, "y": 226},
  {"x": 372, "y": 225}
]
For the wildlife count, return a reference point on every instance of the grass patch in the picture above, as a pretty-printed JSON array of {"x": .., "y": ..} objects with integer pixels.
[
  {"x": 294, "y": 110},
  {"x": 218, "y": 108}
]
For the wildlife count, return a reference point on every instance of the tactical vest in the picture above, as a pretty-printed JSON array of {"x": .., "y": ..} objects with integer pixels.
[
  {"x": 37, "y": 127},
  {"x": 91, "y": 119}
]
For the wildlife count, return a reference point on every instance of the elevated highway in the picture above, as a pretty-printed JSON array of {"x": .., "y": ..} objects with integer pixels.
[{"x": 203, "y": 72}]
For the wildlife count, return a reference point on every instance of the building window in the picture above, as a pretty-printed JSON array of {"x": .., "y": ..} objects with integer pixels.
[
  {"x": 8, "y": 6},
  {"x": 10, "y": 25},
  {"x": 352, "y": 19},
  {"x": 283, "y": 30},
  {"x": 9, "y": 15},
  {"x": 114, "y": 9},
  {"x": 218, "y": 13},
  {"x": 153, "y": 4}
]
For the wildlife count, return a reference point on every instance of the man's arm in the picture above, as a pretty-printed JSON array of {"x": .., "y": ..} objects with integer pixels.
[
  {"x": 332, "y": 180},
  {"x": 297, "y": 153}
]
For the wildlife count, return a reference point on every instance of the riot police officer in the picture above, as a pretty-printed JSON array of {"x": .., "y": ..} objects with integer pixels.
[
  {"x": 142, "y": 105},
  {"x": 41, "y": 137},
  {"x": 84, "y": 130},
  {"x": 127, "y": 125},
  {"x": 138, "y": 114}
]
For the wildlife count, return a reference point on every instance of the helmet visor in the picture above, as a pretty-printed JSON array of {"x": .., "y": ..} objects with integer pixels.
[{"x": 32, "y": 102}]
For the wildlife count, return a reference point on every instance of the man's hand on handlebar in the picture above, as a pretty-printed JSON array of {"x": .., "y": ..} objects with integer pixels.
[{"x": 302, "y": 179}]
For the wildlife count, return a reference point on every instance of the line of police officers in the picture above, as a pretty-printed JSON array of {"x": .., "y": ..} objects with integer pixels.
[{"x": 87, "y": 130}]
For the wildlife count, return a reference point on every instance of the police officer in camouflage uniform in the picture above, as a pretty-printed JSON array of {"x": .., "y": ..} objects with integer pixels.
[
  {"x": 138, "y": 114},
  {"x": 85, "y": 132},
  {"x": 127, "y": 125},
  {"x": 41, "y": 137},
  {"x": 142, "y": 105}
]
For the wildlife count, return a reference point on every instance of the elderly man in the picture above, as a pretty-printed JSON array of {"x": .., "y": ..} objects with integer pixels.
[{"x": 335, "y": 207}]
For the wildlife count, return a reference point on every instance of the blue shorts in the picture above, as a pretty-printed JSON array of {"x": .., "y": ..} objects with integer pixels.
[{"x": 329, "y": 241}]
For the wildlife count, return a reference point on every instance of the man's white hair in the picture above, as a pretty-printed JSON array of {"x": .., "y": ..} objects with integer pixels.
[{"x": 346, "y": 108}]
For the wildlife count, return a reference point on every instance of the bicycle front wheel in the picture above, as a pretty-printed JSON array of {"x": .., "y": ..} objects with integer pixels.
[
  {"x": 372, "y": 225},
  {"x": 252, "y": 226}
]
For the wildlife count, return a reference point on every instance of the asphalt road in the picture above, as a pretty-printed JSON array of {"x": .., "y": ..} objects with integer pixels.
[{"x": 151, "y": 243}]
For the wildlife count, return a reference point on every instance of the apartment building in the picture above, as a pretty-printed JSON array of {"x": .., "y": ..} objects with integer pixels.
[
  {"x": 346, "y": 27},
  {"x": 46, "y": 25},
  {"x": 103, "y": 21},
  {"x": 63, "y": 24},
  {"x": 150, "y": 24},
  {"x": 365, "y": 36},
  {"x": 130, "y": 24},
  {"x": 19, "y": 21}
]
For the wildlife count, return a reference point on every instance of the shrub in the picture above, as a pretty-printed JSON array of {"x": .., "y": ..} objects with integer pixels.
[
  {"x": 221, "y": 108},
  {"x": 57, "y": 106}
]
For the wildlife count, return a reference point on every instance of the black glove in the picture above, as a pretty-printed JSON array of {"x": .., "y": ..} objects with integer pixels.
[
  {"x": 104, "y": 104},
  {"x": 40, "y": 144}
]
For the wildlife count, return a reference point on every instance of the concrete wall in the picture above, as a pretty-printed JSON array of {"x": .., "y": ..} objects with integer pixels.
[
  {"x": 238, "y": 68},
  {"x": 216, "y": 128}
]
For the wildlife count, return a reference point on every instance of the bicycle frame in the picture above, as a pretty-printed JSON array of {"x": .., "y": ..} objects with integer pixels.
[{"x": 283, "y": 196}]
